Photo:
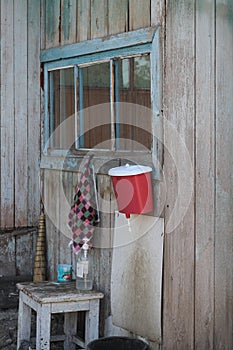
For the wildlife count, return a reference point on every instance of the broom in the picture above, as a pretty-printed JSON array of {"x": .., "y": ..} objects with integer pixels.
[{"x": 39, "y": 274}]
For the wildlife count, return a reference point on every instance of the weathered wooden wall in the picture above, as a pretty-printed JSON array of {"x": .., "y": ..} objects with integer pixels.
[
  {"x": 197, "y": 38},
  {"x": 16, "y": 263},
  {"x": 69, "y": 22},
  {"x": 19, "y": 143},
  {"x": 197, "y": 46},
  {"x": 198, "y": 254},
  {"x": 20, "y": 113}
]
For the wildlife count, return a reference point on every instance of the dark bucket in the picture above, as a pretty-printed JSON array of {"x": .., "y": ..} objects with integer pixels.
[{"x": 117, "y": 343}]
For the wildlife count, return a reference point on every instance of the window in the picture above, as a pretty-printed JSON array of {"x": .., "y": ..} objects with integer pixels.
[{"x": 95, "y": 93}]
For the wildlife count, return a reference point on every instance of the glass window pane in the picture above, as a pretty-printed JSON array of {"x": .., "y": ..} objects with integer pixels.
[
  {"x": 133, "y": 86},
  {"x": 142, "y": 72},
  {"x": 94, "y": 83},
  {"x": 61, "y": 107}
]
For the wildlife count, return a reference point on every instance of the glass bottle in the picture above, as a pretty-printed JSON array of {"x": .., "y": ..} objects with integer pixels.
[{"x": 84, "y": 269}]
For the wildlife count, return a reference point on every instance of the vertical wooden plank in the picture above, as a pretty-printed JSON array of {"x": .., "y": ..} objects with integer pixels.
[
  {"x": 68, "y": 21},
  {"x": 42, "y": 24},
  {"x": 223, "y": 335},
  {"x": 75, "y": 181},
  {"x": 33, "y": 93},
  {"x": 21, "y": 125},
  {"x": 205, "y": 174},
  {"x": 23, "y": 254},
  {"x": 103, "y": 246},
  {"x": 139, "y": 15},
  {"x": 178, "y": 296},
  {"x": 70, "y": 330},
  {"x": 52, "y": 23},
  {"x": 7, "y": 256},
  {"x": 84, "y": 20},
  {"x": 92, "y": 322},
  {"x": 52, "y": 205},
  {"x": 43, "y": 324},
  {"x": 118, "y": 16},
  {"x": 7, "y": 114},
  {"x": 157, "y": 12},
  {"x": 66, "y": 190},
  {"x": 24, "y": 321},
  {"x": 99, "y": 18}
]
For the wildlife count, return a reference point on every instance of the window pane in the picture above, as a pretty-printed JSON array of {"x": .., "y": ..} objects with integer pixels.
[
  {"x": 133, "y": 86},
  {"x": 61, "y": 107},
  {"x": 142, "y": 72},
  {"x": 94, "y": 82}
]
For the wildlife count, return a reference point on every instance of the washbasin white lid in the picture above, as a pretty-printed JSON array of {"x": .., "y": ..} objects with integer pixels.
[{"x": 127, "y": 170}]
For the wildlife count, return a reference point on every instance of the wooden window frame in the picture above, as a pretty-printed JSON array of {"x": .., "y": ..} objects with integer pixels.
[{"x": 142, "y": 41}]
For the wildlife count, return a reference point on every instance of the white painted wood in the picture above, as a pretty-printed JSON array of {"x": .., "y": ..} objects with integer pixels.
[
  {"x": 70, "y": 306},
  {"x": 92, "y": 322},
  {"x": 43, "y": 324},
  {"x": 70, "y": 329},
  {"x": 29, "y": 301},
  {"x": 47, "y": 298},
  {"x": 7, "y": 114},
  {"x": 54, "y": 292},
  {"x": 24, "y": 321}
]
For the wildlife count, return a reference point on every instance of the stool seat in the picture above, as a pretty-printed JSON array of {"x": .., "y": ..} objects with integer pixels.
[{"x": 47, "y": 298}]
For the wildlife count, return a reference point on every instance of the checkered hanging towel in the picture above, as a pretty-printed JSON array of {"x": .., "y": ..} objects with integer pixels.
[{"x": 84, "y": 214}]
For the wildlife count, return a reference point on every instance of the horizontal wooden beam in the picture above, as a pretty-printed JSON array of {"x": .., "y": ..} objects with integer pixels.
[{"x": 137, "y": 37}]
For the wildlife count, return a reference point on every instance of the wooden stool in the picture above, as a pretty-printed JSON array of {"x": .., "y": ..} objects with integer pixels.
[{"x": 47, "y": 298}]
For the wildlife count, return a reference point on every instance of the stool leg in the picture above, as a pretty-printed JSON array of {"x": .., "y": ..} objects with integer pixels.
[
  {"x": 24, "y": 321},
  {"x": 43, "y": 323},
  {"x": 92, "y": 322},
  {"x": 70, "y": 329}
]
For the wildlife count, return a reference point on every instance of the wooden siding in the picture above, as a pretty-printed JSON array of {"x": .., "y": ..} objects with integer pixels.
[
  {"x": 92, "y": 19},
  {"x": 20, "y": 113},
  {"x": 17, "y": 249},
  {"x": 196, "y": 38},
  {"x": 7, "y": 115},
  {"x": 196, "y": 100},
  {"x": 198, "y": 254},
  {"x": 205, "y": 174},
  {"x": 179, "y": 96},
  {"x": 223, "y": 259}
]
